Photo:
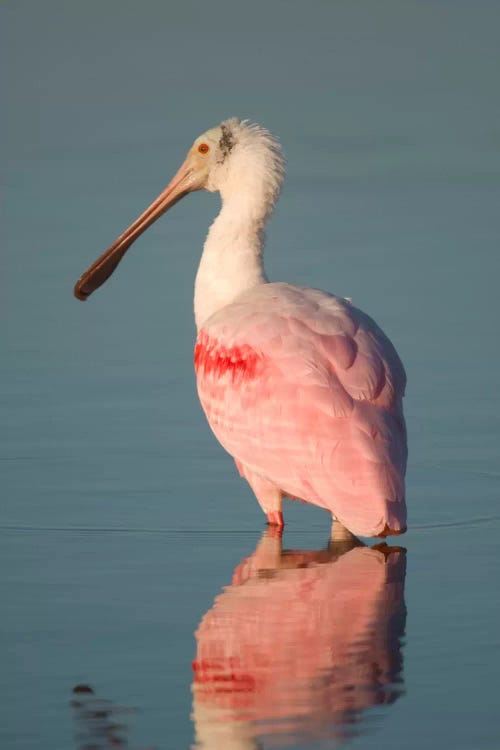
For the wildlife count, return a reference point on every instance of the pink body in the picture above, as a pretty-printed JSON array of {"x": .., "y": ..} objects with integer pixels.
[{"x": 305, "y": 392}]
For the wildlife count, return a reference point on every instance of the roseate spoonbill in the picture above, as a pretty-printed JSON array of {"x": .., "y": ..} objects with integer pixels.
[
  {"x": 302, "y": 388},
  {"x": 300, "y": 644}
]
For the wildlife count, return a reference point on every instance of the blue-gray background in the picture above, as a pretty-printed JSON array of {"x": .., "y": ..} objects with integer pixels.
[{"x": 121, "y": 517}]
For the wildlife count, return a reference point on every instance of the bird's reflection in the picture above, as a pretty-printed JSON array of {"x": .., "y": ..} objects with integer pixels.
[{"x": 299, "y": 645}]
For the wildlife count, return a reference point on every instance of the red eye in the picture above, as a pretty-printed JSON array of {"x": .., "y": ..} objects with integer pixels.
[{"x": 203, "y": 148}]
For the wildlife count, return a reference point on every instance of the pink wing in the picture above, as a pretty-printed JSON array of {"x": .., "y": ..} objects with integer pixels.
[{"x": 305, "y": 391}]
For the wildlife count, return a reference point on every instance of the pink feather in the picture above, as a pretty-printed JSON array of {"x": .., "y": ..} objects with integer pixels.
[{"x": 305, "y": 392}]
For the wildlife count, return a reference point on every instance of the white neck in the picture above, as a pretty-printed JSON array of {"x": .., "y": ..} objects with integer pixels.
[{"x": 232, "y": 255}]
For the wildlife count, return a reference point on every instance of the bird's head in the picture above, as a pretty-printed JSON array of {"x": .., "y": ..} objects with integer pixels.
[{"x": 235, "y": 158}]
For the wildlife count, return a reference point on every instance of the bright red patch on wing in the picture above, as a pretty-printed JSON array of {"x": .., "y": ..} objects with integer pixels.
[{"x": 213, "y": 358}]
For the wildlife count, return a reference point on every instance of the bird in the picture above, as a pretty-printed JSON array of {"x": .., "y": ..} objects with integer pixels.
[{"x": 301, "y": 388}]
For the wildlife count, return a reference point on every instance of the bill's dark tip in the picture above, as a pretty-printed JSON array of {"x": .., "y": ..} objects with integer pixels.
[{"x": 80, "y": 293}]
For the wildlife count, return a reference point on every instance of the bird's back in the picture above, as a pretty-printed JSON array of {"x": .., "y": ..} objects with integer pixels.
[{"x": 305, "y": 390}]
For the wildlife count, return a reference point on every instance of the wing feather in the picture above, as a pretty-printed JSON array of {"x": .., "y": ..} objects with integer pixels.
[{"x": 321, "y": 415}]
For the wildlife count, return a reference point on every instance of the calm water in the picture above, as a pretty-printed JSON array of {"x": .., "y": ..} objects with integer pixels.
[{"x": 130, "y": 551}]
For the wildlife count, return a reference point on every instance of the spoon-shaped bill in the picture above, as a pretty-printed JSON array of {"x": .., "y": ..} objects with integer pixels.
[{"x": 104, "y": 266}]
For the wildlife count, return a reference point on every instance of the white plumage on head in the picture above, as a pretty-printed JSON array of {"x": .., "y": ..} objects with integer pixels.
[{"x": 249, "y": 161}]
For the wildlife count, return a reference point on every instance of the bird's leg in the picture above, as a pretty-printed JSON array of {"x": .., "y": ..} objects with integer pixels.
[
  {"x": 275, "y": 519},
  {"x": 340, "y": 533},
  {"x": 269, "y": 497},
  {"x": 341, "y": 540}
]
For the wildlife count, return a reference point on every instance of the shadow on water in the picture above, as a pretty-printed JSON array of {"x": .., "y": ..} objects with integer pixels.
[{"x": 299, "y": 646}]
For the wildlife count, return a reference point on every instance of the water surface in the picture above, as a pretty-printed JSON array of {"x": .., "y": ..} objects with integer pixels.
[{"x": 122, "y": 521}]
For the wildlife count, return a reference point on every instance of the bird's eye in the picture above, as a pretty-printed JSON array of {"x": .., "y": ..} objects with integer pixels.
[{"x": 203, "y": 148}]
